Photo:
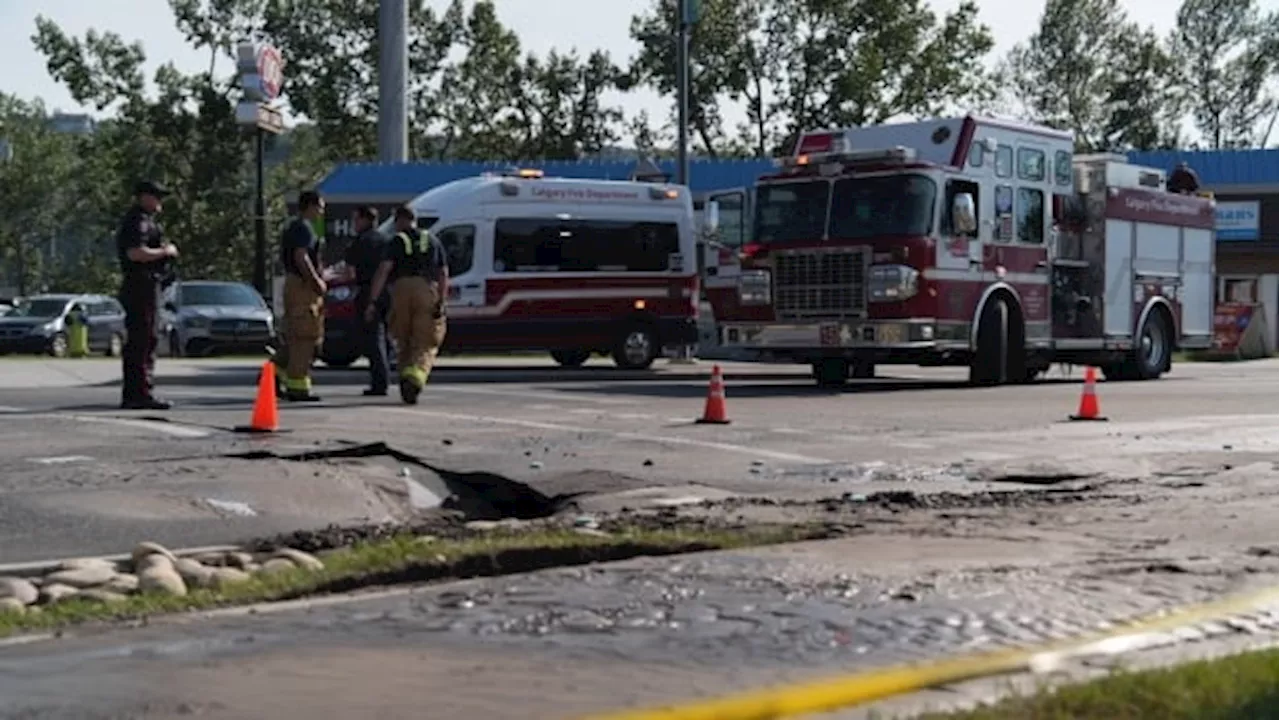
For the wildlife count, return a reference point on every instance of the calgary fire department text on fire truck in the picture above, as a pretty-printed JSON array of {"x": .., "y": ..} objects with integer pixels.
[{"x": 964, "y": 241}]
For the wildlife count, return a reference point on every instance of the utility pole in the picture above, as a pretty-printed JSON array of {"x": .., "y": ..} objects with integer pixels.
[
  {"x": 261, "y": 70},
  {"x": 393, "y": 81},
  {"x": 687, "y": 11}
]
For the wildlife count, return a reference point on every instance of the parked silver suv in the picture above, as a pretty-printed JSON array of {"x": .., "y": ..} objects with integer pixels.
[{"x": 205, "y": 317}]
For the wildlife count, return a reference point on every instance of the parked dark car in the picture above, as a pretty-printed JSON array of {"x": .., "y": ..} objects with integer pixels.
[{"x": 38, "y": 324}]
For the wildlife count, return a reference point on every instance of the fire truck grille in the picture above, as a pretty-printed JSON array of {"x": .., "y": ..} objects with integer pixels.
[{"x": 820, "y": 282}]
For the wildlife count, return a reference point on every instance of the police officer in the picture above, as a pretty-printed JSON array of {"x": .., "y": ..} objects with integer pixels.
[
  {"x": 417, "y": 266},
  {"x": 363, "y": 256},
  {"x": 145, "y": 260},
  {"x": 304, "y": 290}
]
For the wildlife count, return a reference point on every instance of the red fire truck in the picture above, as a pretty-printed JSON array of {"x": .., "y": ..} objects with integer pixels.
[{"x": 965, "y": 241}]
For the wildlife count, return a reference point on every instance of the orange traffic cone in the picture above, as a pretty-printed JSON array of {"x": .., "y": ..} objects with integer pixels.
[
  {"x": 714, "y": 412},
  {"x": 1089, "y": 397},
  {"x": 266, "y": 414}
]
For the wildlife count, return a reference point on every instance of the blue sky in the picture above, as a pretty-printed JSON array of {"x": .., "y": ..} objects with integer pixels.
[{"x": 599, "y": 23}]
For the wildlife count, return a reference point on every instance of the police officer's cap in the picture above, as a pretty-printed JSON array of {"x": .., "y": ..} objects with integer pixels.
[{"x": 150, "y": 187}]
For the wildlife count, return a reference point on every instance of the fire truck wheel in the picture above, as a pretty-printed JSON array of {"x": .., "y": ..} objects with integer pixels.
[
  {"x": 570, "y": 358},
  {"x": 831, "y": 372},
  {"x": 1000, "y": 355},
  {"x": 637, "y": 348},
  {"x": 1152, "y": 352},
  {"x": 862, "y": 370}
]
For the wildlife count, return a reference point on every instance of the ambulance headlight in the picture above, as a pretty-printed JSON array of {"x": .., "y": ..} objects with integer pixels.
[
  {"x": 754, "y": 287},
  {"x": 892, "y": 283}
]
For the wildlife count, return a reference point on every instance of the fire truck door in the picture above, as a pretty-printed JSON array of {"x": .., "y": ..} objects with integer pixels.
[{"x": 966, "y": 224}]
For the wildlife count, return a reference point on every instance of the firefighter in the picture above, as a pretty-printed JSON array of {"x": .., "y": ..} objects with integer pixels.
[
  {"x": 304, "y": 290},
  {"x": 1183, "y": 180},
  {"x": 145, "y": 258},
  {"x": 419, "y": 272}
]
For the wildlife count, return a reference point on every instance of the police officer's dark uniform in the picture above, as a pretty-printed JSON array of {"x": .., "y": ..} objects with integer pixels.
[
  {"x": 143, "y": 279},
  {"x": 418, "y": 269},
  {"x": 1183, "y": 180},
  {"x": 364, "y": 255}
]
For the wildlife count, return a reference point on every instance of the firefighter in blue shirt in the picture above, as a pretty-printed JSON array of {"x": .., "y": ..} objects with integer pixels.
[
  {"x": 304, "y": 290},
  {"x": 418, "y": 268}
]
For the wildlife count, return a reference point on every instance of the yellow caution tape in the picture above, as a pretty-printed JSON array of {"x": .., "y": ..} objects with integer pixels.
[{"x": 848, "y": 690}]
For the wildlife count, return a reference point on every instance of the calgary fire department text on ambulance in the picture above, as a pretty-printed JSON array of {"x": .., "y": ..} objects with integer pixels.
[
  {"x": 964, "y": 241},
  {"x": 566, "y": 265}
]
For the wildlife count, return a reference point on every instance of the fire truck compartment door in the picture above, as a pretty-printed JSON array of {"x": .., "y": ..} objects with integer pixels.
[
  {"x": 1197, "y": 282},
  {"x": 1118, "y": 304}
]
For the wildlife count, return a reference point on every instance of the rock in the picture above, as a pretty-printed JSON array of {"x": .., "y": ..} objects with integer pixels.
[
  {"x": 100, "y": 595},
  {"x": 252, "y": 567},
  {"x": 211, "y": 559},
  {"x": 301, "y": 559},
  {"x": 240, "y": 560},
  {"x": 54, "y": 592},
  {"x": 11, "y": 605},
  {"x": 121, "y": 583},
  {"x": 161, "y": 579},
  {"x": 278, "y": 565},
  {"x": 144, "y": 549},
  {"x": 153, "y": 561},
  {"x": 86, "y": 563},
  {"x": 19, "y": 589},
  {"x": 191, "y": 571},
  {"x": 85, "y": 577},
  {"x": 222, "y": 577}
]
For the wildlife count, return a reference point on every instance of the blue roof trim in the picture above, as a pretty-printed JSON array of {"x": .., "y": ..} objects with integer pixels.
[{"x": 1216, "y": 168}]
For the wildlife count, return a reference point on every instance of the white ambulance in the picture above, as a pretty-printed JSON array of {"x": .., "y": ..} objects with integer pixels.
[{"x": 565, "y": 265}]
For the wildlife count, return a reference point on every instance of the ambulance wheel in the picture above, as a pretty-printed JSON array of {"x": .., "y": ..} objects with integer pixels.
[
  {"x": 637, "y": 349},
  {"x": 58, "y": 346},
  {"x": 115, "y": 346},
  {"x": 570, "y": 358}
]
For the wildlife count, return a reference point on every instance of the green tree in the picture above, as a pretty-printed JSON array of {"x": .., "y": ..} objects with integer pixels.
[
  {"x": 1143, "y": 107},
  {"x": 801, "y": 64},
  {"x": 1228, "y": 52},
  {"x": 560, "y": 112}
]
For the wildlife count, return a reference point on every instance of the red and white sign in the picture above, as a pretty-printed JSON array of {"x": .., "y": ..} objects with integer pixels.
[{"x": 271, "y": 70}]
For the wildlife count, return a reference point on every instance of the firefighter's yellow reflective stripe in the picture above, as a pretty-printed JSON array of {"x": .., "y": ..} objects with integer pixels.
[
  {"x": 848, "y": 690},
  {"x": 415, "y": 374},
  {"x": 424, "y": 242},
  {"x": 297, "y": 384}
]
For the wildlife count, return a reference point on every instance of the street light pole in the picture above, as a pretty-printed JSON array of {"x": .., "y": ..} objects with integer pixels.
[{"x": 683, "y": 17}]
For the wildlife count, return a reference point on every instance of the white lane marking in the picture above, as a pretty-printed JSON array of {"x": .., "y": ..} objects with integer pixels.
[
  {"x": 231, "y": 507},
  {"x": 621, "y": 435},
  {"x": 60, "y": 459},
  {"x": 160, "y": 427}
]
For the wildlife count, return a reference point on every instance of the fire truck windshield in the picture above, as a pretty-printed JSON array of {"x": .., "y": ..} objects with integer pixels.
[
  {"x": 888, "y": 205},
  {"x": 859, "y": 207},
  {"x": 788, "y": 212}
]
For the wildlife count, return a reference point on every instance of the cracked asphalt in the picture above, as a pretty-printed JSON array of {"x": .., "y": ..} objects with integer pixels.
[{"x": 974, "y": 518}]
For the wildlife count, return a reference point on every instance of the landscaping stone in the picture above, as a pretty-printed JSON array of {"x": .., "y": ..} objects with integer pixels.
[
  {"x": 12, "y": 605},
  {"x": 55, "y": 592},
  {"x": 100, "y": 595},
  {"x": 143, "y": 549},
  {"x": 24, "y": 591},
  {"x": 84, "y": 577},
  {"x": 277, "y": 565},
  {"x": 222, "y": 577},
  {"x": 122, "y": 583},
  {"x": 192, "y": 572},
  {"x": 86, "y": 563},
  {"x": 148, "y": 562},
  {"x": 301, "y": 559},
  {"x": 163, "y": 579}
]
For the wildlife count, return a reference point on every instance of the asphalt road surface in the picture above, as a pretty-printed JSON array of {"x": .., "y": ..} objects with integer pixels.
[{"x": 1171, "y": 501}]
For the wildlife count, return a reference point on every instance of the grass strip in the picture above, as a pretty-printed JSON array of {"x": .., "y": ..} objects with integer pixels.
[
  {"x": 1229, "y": 688},
  {"x": 414, "y": 559}
]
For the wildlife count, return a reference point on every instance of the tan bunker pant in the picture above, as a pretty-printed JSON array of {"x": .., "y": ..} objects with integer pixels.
[
  {"x": 418, "y": 333},
  {"x": 303, "y": 331}
]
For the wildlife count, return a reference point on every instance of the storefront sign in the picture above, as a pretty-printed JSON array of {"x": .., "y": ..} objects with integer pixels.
[
  {"x": 1238, "y": 220},
  {"x": 1230, "y": 320}
]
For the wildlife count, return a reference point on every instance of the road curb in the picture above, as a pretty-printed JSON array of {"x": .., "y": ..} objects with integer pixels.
[
  {"x": 41, "y": 567},
  {"x": 841, "y": 692}
]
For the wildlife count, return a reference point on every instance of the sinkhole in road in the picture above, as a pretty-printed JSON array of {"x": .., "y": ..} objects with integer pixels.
[{"x": 477, "y": 495}]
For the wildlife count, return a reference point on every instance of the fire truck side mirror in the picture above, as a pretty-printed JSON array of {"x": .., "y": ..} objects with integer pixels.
[
  {"x": 963, "y": 218},
  {"x": 711, "y": 216}
]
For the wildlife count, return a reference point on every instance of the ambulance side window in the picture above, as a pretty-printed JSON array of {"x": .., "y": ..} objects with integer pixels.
[
  {"x": 547, "y": 245},
  {"x": 459, "y": 243},
  {"x": 1062, "y": 174},
  {"x": 1030, "y": 216}
]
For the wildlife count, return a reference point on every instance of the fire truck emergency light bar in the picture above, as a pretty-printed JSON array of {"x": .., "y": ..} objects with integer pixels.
[{"x": 893, "y": 154}]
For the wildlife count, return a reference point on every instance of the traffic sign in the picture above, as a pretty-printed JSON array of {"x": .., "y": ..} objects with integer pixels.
[
  {"x": 261, "y": 69},
  {"x": 271, "y": 70}
]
